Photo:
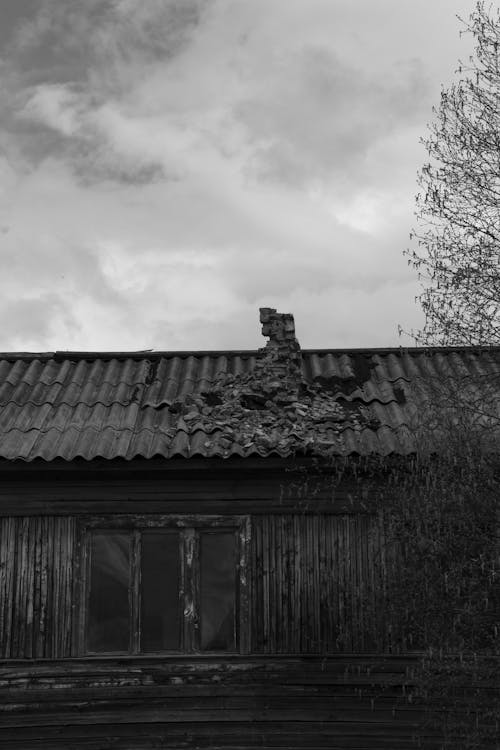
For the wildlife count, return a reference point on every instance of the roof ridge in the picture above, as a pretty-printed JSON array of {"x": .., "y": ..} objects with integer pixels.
[{"x": 148, "y": 354}]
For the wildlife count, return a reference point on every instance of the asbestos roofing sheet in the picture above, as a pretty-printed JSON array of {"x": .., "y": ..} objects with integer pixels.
[{"x": 94, "y": 406}]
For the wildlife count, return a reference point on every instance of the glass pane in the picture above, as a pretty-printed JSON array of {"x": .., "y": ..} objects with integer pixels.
[
  {"x": 160, "y": 577},
  {"x": 218, "y": 591},
  {"x": 109, "y": 619}
]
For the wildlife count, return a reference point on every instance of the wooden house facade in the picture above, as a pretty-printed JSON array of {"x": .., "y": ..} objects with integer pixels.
[{"x": 168, "y": 578}]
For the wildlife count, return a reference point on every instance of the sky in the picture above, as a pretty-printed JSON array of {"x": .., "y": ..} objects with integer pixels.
[{"x": 168, "y": 167}]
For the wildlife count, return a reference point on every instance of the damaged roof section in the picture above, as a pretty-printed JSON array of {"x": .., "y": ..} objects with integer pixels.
[
  {"x": 273, "y": 408},
  {"x": 278, "y": 400}
]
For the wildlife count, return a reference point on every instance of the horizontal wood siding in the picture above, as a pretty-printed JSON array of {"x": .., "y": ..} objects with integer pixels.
[
  {"x": 37, "y": 555},
  {"x": 234, "y": 703},
  {"x": 318, "y": 584}
]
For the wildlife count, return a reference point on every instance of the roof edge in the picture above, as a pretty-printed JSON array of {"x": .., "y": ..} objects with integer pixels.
[{"x": 245, "y": 353}]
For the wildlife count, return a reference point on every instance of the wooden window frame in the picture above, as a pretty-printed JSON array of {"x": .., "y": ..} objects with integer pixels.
[{"x": 189, "y": 528}]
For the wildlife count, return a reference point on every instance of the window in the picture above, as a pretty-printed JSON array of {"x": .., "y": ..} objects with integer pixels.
[{"x": 164, "y": 584}]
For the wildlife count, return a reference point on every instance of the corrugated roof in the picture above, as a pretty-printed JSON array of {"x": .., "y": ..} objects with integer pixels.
[{"x": 124, "y": 405}]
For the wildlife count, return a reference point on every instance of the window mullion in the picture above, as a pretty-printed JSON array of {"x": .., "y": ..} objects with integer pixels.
[{"x": 190, "y": 577}]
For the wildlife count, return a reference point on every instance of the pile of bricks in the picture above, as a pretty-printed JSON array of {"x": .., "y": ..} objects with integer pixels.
[{"x": 272, "y": 408}]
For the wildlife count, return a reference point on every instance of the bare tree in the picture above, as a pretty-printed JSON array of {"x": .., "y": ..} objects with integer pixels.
[{"x": 458, "y": 206}]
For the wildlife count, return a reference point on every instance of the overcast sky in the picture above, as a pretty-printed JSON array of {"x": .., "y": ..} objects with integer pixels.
[{"x": 167, "y": 167}]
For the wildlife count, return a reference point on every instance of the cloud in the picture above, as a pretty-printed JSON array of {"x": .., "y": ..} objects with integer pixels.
[
  {"x": 55, "y": 106},
  {"x": 169, "y": 166},
  {"x": 152, "y": 95},
  {"x": 297, "y": 138},
  {"x": 69, "y": 71},
  {"x": 100, "y": 42},
  {"x": 97, "y": 142},
  {"x": 33, "y": 321}
]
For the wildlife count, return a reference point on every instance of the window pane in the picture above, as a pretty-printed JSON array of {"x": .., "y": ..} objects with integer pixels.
[
  {"x": 160, "y": 577},
  {"x": 109, "y": 619},
  {"x": 218, "y": 591}
]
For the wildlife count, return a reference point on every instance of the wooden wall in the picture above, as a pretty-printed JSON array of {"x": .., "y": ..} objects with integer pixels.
[
  {"x": 235, "y": 703},
  {"x": 316, "y": 585},
  {"x": 317, "y": 588},
  {"x": 37, "y": 555}
]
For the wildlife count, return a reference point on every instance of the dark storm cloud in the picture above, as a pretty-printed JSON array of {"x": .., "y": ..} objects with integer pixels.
[
  {"x": 14, "y": 15},
  {"x": 64, "y": 60},
  {"x": 60, "y": 41}
]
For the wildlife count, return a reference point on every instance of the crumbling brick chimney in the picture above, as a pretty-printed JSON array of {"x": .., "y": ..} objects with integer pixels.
[{"x": 281, "y": 357}]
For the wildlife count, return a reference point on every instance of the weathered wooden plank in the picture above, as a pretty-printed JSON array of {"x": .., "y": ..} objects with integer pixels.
[
  {"x": 245, "y": 568},
  {"x": 91, "y": 712},
  {"x": 77, "y": 587},
  {"x": 29, "y": 506},
  {"x": 236, "y": 737},
  {"x": 333, "y": 591},
  {"x": 37, "y": 583},
  {"x": 306, "y": 587},
  {"x": 56, "y": 583},
  {"x": 19, "y": 618},
  {"x": 7, "y": 557},
  {"x": 350, "y": 553},
  {"x": 287, "y": 583},
  {"x": 147, "y": 738},
  {"x": 315, "y": 542},
  {"x": 275, "y": 613},
  {"x": 343, "y": 583},
  {"x": 71, "y": 562},
  {"x": 279, "y": 693},
  {"x": 370, "y": 624},
  {"x": 297, "y": 584},
  {"x": 30, "y": 586},
  {"x": 265, "y": 584},
  {"x": 279, "y": 608},
  {"x": 326, "y": 573},
  {"x": 134, "y": 593},
  {"x": 272, "y": 671},
  {"x": 70, "y": 571},
  {"x": 4, "y": 603},
  {"x": 16, "y": 551},
  {"x": 257, "y": 595},
  {"x": 41, "y": 650},
  {"x": 360, "y": 540},
  {"x": 51, "y": 614}
]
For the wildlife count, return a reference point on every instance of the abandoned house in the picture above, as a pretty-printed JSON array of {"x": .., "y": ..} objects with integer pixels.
[{"x": 169, "y": 578}]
